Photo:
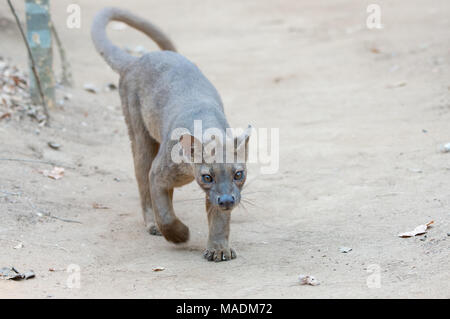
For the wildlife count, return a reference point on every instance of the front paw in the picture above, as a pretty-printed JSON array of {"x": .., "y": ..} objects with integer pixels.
[
  {"x": 219, "y": 254},
  {"x": 176, "y": 232}
]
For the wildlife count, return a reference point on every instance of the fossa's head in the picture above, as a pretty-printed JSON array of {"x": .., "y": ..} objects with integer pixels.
[
  {"x": 222, "y": 170},
  {"x": 222, "y": 183}
]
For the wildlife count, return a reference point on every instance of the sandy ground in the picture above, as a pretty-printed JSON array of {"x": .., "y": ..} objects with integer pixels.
[{"x": 361, "y": 113}]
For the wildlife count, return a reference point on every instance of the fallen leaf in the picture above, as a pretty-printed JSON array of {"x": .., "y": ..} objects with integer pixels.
[
  {"x": 345, "y": 249},
  {"x": 55, "y": 173},
  {"x": 419, "y": 230},
  {"x": 5, "y": 115},
  {"x": 29, "y": 274},
  {"x": 99, "y": 206},
  {"x": 308, "y": 280},
  {"x": 10, "y": 273},
  {"x": 158, "y": 269}
]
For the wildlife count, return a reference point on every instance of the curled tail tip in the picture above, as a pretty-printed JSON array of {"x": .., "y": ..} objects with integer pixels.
[{"x": 117, "y": 58}]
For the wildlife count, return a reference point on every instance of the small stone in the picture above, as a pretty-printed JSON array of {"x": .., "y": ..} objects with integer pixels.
[
  {"x": 54, "y": 145},
  {"x": 110, "y": 87},
  {"x": 444, "y": 148},
  {"x": 90, "y": 88}
]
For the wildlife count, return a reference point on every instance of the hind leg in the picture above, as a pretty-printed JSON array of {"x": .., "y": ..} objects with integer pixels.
[{"x": 144, "y": 149}]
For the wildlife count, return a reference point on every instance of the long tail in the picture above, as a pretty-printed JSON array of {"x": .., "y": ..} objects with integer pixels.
[{"x": 117, "y": 58}]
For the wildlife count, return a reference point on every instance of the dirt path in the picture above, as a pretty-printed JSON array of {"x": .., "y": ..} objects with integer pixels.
[{"x": 361, "y": 113}]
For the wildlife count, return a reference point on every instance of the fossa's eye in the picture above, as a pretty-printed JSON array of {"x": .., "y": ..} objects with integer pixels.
[
  {"x": 207, "y": 178},
  {"x": 239, "y": 176}
]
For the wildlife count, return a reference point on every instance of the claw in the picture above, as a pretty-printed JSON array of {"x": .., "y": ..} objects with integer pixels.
[
  {"x": 219, "y": 255},
  {"x": 153, "y": 230},
  {"x": 208, "y": 255}
]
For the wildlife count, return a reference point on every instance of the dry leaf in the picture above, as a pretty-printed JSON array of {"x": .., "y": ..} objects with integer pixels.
[
  {"x": 5, "y": 115},
  {"x": 55, "y": 173},
  {"x": 345, "y": 249},
  {"x": 10, "y": 273},
  {"x": 308, "y": 280},
  {"x": 158, "y": 269},
  {"x": 419, "y": 230},
  {"x": 99, "y": 206}
]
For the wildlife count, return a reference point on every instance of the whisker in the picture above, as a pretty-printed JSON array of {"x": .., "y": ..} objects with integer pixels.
[
  {"x": 254, "y": 192},
  {"x": 188, "y": 200},
  {"x": 241, "y": 204},
  {"x": 253, "y": 206},
  {"x": 251, "y": 203},
  {"x": 248, "y": 200}
]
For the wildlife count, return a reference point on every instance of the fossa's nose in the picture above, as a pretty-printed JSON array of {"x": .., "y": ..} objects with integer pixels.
[{"x": 226, "y": 201}]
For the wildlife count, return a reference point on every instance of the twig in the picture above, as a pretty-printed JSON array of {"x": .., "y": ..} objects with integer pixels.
[
  {"x": 33, "y": 65},
  {"x": 66, "y": 77},
  {"x": 41, "y": 213},
  {"x": 26, "y": 160},
  {"x": 53, "y": 245},
  {"x": 63, "y": 219},
  {"x": 35, "y": 161}
]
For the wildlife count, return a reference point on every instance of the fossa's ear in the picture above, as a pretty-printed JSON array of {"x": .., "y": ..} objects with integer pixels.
[
  {"x": 242, "y": 143},
  {"x": 192, "y": 148}
]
